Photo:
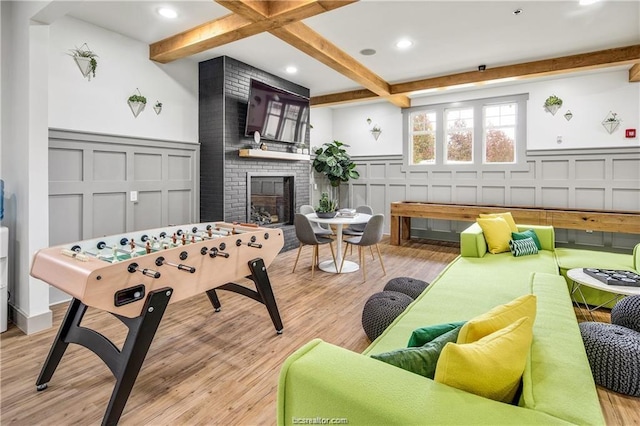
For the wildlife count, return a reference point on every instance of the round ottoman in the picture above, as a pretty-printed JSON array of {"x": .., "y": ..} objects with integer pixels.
[
  {"x": 614, "y": 356},
  {"x": 627, "y": 313},
  {"x": 409, "y": 286},
  {"x": 380, "y": 311}
]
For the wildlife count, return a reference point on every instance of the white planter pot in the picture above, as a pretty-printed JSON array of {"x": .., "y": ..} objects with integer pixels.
[
  {"x": 84, "y": 65},
  {"x": 552, "y": 108},
  {"x": 136, "y": 107}
]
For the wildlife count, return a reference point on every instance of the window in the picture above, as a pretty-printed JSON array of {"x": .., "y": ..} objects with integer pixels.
[
  {"x": 500, "y": 133},
  {"x": 423, "y": 137},
  {"x": 481, "y": 133},
  {"x": 459, "y": 135}
]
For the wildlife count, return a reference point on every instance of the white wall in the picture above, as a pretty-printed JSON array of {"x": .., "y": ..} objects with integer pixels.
[
  {"x": 589, "y": 97},
  {"x": 322, "y": 121},
  {"x": 100, "y": 105},
  {"x": 24, "y": 157}
]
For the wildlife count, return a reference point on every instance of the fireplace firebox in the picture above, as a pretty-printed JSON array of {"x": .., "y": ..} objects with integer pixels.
[{"x": 270, "y": 199}]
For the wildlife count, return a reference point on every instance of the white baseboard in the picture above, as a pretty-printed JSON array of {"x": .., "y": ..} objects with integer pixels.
[{"x": 31, "y": 325}]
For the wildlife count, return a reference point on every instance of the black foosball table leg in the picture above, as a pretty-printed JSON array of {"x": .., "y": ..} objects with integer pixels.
[
  {"x": 125, "y": 364},
  {"x": 263, "y": 285},
  {"x": 142, "y": 330},
  {"x": 71, "y": 320},
  {"x": 262, "y": 294},
  {"x": 213, "y": 298}
]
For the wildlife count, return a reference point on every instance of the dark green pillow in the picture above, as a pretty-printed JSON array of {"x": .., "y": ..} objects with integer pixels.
[
  {"x": 529, "y": 233},
  {"x": 421, "y": 360},
  {"x": 423, "y": 335}
]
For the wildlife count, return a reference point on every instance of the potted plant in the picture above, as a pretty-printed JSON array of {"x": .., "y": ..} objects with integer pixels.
[
  {"x": 553, "y": 104},
  {"x": 326, "y": 207},
  {"x": 85, "y": 60},
  {"x": 157, "y": 107},
  {"x": 137, "y": 103},
  {"x": 334, "y": 162}
]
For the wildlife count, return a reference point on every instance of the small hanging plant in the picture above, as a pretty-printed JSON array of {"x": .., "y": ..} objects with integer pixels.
[
  {"x": 157, "y": 107},
  {"x": 553, "y": 104},
  {"x": 85, "y": 59},
  {"x": 137, "y": 103}
]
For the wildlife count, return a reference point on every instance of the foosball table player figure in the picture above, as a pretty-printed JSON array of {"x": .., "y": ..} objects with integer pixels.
[{"x": 135, "y": 277}]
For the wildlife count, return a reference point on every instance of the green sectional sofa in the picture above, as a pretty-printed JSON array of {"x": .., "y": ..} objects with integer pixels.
[{"x": 321, "y": 382}]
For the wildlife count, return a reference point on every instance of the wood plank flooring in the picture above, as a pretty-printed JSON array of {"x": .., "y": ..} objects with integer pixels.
[{"x": 219, "y": 368}]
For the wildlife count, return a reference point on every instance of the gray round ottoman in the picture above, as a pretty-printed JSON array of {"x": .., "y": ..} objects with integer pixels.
[
  {"x": 627, "y": 313},
  {"x": 614, "y": 356},
  {"x": 409, "y": 286},
  {"x": 380, "y": 311}
]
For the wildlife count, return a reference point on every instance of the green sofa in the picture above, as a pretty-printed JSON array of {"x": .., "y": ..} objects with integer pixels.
[{"x": 321, "y": 382}]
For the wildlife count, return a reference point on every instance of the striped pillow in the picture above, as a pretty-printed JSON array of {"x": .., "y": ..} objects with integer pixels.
[{"x": 523, "y": 247}]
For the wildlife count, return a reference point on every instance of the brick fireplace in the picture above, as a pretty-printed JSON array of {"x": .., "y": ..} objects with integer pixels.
[{"x": 224, "y": 184}]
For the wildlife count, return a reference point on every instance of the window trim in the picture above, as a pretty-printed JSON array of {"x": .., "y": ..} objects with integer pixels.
[{"x": 478, "y": 126}]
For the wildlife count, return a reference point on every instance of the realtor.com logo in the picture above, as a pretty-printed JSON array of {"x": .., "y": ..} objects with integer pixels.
[{"x": 319, "y": 421}]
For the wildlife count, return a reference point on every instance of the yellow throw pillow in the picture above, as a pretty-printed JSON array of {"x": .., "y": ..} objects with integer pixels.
[
  {"x": 506, "y": 216},
  {"x": 492, "y": 367},
  {"x": 498, "y": 318},
  {"x": 497, "y": 232}
]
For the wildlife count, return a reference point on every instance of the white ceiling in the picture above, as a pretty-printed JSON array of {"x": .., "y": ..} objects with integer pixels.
[{"x": 449, "y": 36}]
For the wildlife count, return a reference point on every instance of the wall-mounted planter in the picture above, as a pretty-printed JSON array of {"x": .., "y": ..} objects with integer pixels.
[
  {"x": 552, "y": 104},
  {"x": 137, "y": 102},
  {"x": 611, "y": 122},
  {"x": 85, "y": 59},
  {"x": 158, "y": 107}
]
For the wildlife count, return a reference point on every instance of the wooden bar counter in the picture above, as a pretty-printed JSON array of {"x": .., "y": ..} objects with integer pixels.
[{"x": 625, "y": 222}]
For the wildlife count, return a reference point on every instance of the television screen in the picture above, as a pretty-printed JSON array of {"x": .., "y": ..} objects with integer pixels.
[{"x": 276, "y": 114}]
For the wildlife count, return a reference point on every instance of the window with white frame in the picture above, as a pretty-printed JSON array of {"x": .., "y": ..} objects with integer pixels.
[
  {"x": 482, "y": 133},
  {"x": 423, "y": 137},
  {"x": 499, "y": 133},
  {"x": 459, "y": 145}
]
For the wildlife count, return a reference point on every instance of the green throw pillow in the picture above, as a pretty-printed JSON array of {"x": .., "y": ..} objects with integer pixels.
[
  {"x": 423, "y": 335},
  {"x": 529, "y": 233},
  {"x": 421, "y": 360},
  {"x": 523, "y": 247}
]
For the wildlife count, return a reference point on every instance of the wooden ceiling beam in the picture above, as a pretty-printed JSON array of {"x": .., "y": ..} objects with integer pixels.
[
  {"x": 561, "y": 65},
  {"x": 248, "y": 20},
  {"x": 634, "y": 73},
  {"x": 313, "y": 44}
]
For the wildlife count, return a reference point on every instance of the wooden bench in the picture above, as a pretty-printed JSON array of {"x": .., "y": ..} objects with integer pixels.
[{"x": 618, "y": 222}]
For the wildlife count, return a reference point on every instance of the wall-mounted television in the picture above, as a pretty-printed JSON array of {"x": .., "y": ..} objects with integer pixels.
[{"x": 277, "y": 114}]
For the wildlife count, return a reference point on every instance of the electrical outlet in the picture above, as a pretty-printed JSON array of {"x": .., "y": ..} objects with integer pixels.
[
  {"x": 133, "y": 196},
  {"x": 559, "y": 139}
]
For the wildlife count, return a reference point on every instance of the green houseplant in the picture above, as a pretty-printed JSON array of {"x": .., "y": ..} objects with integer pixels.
[
  {"x": 137, "y": 103},
  {"x": 553, "y": 104},
  {"x": 326, "y": 207},
  {"x": 85, "y": 60},
  {"x": 333, "y": 161}
]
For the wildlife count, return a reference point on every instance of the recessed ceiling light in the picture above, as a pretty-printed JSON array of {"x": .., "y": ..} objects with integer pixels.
[
  {"x": 368, "y": 52},
  {"x": 167, "y": 12},
  {"x": 291, "y": 69},
  {"x": 404, "y": 43},
  {"x": 587, "y": 2}
]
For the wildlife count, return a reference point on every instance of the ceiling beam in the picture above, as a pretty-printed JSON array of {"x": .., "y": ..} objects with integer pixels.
[
  {"x": 553, "y": 66},
  {"x": 313, "y": 44},
  {"x": 247, "y": 21},
  {"x": 634, "y": 73}
]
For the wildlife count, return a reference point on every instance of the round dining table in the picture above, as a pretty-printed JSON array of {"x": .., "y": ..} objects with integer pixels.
[{"x": 339, "y": 222}]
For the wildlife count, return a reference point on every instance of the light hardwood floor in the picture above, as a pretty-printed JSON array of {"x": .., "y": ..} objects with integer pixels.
[{"x": 220, "y": 368}]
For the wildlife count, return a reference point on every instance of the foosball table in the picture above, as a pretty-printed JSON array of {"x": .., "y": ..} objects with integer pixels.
[{"x": 135, "y": 277}]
